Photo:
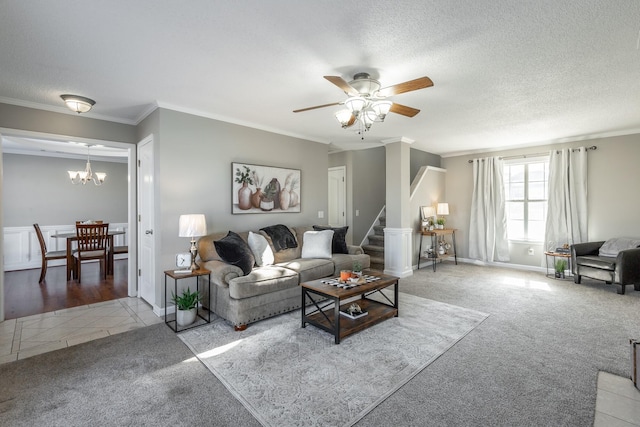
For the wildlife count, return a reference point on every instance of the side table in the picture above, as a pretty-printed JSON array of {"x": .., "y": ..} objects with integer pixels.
[
  {"x": 553, "y": 256},
  {"x": 434, "y": 256},
  {"x": 177, "y": 276}
]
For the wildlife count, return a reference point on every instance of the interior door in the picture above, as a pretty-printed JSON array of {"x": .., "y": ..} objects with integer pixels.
[
  {"x": 146, "y": 236},
  {"x": 337, "y": 197}
]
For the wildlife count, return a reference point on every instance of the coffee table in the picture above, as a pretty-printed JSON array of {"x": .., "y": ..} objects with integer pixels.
[{"x": 322, "y": 301}]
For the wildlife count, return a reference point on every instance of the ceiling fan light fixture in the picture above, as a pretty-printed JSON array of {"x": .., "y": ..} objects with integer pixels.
[
  {"x": 344, "y": 117},
  {"x": 355, "y": 104},
  {"x": 381, "y": 109},
  {"x": 78, "y": 104}
]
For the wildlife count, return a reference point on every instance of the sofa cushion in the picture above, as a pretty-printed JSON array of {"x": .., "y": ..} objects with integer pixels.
[
  {"x": 284, "y": 254},
  {"x": 262, "y": 280},
  {"x": 281, "y": 237},
  {"x": 603, "y": 263},
  {"x": 261, "y": 250},
  {"x": 612, "y": 246},
  {"x": 317, "y": 244},
  {"x": 310, "y": 269},
  {"x": 235, "y": 251},
  {"x": 339, "y": 243}
]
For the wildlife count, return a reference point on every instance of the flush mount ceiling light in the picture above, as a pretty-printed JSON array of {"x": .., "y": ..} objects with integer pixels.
[
  {"x": 78, "y": 104},
  {"x": 366, "y": 101}
]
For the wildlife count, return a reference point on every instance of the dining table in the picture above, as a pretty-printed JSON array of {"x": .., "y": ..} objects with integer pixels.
[{"x": 73, "y": 237}]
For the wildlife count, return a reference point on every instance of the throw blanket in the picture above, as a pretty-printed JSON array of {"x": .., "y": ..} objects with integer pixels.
[
  {"x": 612, "y": 246},
  {"x": 281, "y": 237}
]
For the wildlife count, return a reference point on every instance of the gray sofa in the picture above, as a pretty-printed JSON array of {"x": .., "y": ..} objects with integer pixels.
[
  {"x": 268, "y": 290},
  {"x": 615, "y": 261}
]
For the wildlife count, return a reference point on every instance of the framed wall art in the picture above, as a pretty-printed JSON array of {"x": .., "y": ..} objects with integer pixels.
[{"x": 264, "y": 189}]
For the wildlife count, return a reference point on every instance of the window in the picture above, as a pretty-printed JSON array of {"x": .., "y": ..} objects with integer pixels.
[{"x": 526, "y": 194}]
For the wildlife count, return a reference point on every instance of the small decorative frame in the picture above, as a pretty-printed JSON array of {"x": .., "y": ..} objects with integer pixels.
[{"x": 264, "y": 189}]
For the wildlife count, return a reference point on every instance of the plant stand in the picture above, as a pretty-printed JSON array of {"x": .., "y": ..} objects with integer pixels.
[
  {"x": 172, "y": 323},
  {"x": 551, "y": 257}
]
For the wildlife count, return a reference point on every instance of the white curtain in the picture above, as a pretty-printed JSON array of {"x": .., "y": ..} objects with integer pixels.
[
  {"x": 488, "y": 225},
  {"x": 567, "y": 209}
]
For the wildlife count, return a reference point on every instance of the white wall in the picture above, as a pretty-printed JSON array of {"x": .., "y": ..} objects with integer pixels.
[{"x": 614, "y": 205}]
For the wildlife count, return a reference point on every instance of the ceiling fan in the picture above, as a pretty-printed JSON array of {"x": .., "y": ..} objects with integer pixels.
[{"x": 367, "y": 103}]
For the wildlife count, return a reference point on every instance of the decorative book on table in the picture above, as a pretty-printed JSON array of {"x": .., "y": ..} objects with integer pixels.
[{"x": 345, "y": 312}]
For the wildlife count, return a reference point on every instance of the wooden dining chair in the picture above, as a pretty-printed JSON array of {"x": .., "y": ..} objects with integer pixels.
[
  {"x": 46, "y": 255},
  {"x": 92, "y": 244}
]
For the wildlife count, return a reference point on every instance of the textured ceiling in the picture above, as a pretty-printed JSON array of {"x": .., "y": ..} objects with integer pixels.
[{"x": 506, "y": 73}]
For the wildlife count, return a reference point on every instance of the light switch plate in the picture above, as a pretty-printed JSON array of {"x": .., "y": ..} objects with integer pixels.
[{"x": 320, "y": 214}]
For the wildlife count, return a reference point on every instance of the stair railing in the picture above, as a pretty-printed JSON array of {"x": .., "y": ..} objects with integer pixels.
[{"x": 365, "y": 240}]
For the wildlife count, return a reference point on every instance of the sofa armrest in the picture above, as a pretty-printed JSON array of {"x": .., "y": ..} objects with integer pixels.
[
  {"x": 580, "y": 249},
  {"x": 628, "y": 267},
  {"x": 355, "y": 250},
  {"x": 221, "y": 272}
]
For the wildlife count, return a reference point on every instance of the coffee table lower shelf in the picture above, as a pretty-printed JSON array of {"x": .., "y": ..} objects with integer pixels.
[
  {"x": 322, "y": 303},
  {"x": 377, "y": 312}
]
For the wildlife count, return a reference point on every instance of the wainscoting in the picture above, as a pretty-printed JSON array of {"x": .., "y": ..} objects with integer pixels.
[{"x": 22, "y": 250}]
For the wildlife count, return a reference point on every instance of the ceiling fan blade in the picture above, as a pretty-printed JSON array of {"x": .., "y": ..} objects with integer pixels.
[
  {"x": 342, "y": 84},
  {"x": 317, "y": 106},
  {"x": 404, "y": 110},
  {"x": 421, "y": 83}
]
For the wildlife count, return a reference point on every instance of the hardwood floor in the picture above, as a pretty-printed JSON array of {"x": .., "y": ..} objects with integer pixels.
[{"x": 24, "y": 296}]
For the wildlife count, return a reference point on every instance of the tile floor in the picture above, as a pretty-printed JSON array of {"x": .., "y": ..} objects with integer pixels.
[
  {"x": 40, "y": 333},
  {"x": 617, "y": 402}
]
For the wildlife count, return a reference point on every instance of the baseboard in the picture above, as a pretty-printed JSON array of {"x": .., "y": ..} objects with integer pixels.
[{"x": 427, "y": 264}]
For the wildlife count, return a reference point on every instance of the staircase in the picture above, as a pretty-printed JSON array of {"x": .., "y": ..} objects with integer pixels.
[{"x": 375, "y": 247}]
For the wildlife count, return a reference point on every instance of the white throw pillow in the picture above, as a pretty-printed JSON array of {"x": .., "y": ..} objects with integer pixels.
[
  {"x": 317, "y": 244},
  {"x": 261, "y": 249}
]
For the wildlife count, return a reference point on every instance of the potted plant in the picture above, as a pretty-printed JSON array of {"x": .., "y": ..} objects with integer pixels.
[
  {"x": 561, "y": 265},
  {"x": 186, "y": 306},
  {"x": 440, "y": 222},
  {"x": 357, "y": 268}
]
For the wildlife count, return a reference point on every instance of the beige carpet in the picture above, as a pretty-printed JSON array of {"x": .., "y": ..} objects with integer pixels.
[{"x": 289, "y": 376}]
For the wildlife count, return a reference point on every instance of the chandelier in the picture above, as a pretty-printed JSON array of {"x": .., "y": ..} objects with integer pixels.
[{"x": 82, "y": 177}]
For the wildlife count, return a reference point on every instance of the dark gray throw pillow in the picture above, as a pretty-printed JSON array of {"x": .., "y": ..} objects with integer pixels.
[
  {"x": 338, "y": 244},
  {"x": 235, "y": 251}
]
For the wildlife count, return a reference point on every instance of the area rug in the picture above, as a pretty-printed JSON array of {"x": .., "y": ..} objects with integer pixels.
[{"x": 286, "y": 375}]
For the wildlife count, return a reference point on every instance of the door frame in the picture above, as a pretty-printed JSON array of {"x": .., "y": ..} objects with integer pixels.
[
  {"x": 148, "y": 141},
  {"x": 131, "y": 199}
]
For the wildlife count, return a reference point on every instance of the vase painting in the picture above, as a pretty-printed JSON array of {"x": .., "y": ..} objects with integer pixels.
[{"x": 265, "y": 189}]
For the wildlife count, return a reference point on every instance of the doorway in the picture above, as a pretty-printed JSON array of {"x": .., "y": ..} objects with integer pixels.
[{"x": 37, "y": 141}]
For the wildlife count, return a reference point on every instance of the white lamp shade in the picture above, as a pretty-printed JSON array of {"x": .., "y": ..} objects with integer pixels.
[
  {"x": 443, "y": 209},
  {"x": 192, "y": 225},
  {"x": 344, "y": 117},
  {"x": 355, "y": 104},
  {"x": 382, "y": 108}
]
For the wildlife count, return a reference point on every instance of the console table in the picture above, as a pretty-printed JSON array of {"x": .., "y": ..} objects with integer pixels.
[{"x": 435, "y": 236}]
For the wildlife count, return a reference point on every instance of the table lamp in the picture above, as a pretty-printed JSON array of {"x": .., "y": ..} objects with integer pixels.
[
  {"x": 192, "y": 225},
  {"x": 443, "y": 209}
]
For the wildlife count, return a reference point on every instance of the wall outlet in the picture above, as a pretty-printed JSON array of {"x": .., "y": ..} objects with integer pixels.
[
  {"x": 320, "y": 214},
  {"x": 531, "y": 251},
  {"x": 357, "y": 212}
]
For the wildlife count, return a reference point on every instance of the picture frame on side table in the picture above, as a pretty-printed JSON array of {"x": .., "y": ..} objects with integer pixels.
[{"x": 264, "y": 189}]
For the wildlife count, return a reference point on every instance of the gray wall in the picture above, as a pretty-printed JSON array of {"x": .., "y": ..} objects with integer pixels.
[
  {"x": 614, "y": 205},
  {"x": 193, "y": 175},
  {"x": 366, "y": 184},
  {"x": 23, "y": 118},
  {"x": 48, "y": 197},
  {"x": 421, "y": 158}
]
